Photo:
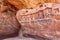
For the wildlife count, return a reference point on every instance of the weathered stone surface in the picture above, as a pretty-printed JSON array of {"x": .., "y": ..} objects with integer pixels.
[
  {"x": 29, "y": 3},
  {"x": 40, "y": 22},
  {"x": 4, "y": 5},
  {"x": 48, "y": 28},
  {"x": 8, "y": 24},
  {"x": 16, "y": 3}
]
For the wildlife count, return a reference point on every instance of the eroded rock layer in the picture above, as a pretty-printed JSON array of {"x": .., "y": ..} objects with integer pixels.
[
  {"x": 41, "y": 21},
  {"x": 8, "y": 24}
]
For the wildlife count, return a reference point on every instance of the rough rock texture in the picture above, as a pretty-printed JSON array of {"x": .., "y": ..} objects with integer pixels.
[
  {"x": 4, "y": 5},
  {"x": 41, "y": 21},
  {"x": 8, "y": 24},
  {"x": 16, "y": 3},
  {"x": 29, "y": 3},
  {"x": 24, "y": 3}
]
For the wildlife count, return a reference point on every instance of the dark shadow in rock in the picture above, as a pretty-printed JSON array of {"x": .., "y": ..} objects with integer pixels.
[
  {"x": 16, "y": 34},
  {"x": 35, "y": 37},
  {"x": 9, "y": 36}
]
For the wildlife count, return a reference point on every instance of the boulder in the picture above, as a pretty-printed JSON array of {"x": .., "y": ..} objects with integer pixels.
[
  {"x": 36, "y": 23},
  {"x": 9, "y": 25}
]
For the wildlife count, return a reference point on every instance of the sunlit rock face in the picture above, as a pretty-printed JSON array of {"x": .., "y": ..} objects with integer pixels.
[
  {"x": 20, "y": 4},
  {"x": 41, "y": 21}
]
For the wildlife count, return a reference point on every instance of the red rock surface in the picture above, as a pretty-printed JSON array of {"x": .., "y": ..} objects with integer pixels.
[
  {"x": 43, "y": 22},
  {"x": 8, "y": 24}
]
